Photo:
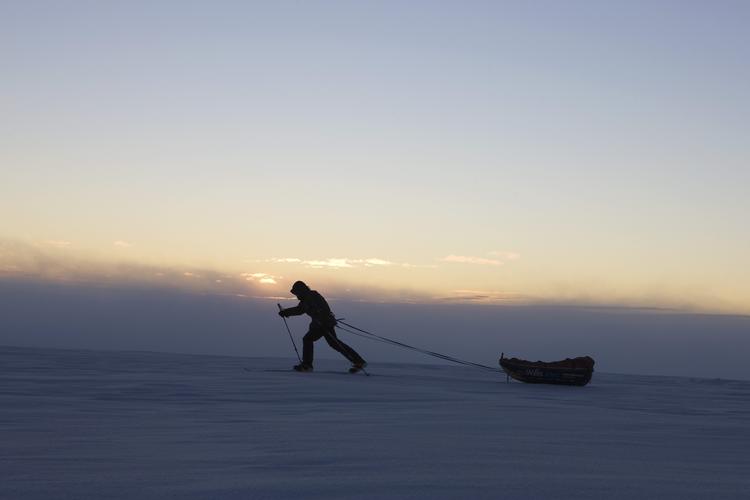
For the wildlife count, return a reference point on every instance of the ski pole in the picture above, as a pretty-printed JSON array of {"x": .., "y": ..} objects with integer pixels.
[{"x": 290, "y": 333}]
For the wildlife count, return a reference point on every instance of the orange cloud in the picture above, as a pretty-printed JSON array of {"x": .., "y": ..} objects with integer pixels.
[
  {"x": 466, "y": 259},
  {"x": 505, "y": 255},
  {"x": 264, "y": 278},
  {"x": 58, "y": 243}
]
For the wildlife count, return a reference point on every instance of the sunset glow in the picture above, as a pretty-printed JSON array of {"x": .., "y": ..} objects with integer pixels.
[{"x": 565, "y": 154}]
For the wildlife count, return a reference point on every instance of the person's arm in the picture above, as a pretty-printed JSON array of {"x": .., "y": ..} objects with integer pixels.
[{"x": 292, "y": 311}]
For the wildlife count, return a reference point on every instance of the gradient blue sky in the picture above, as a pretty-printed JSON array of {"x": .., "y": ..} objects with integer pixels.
[{"x": 547, "y": 151}]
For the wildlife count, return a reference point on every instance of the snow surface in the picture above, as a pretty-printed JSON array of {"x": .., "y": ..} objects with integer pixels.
[{"x": 88, "y": 424}]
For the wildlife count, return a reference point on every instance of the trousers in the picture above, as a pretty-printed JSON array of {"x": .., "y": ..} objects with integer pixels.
[{"x": 317, "y": 331}]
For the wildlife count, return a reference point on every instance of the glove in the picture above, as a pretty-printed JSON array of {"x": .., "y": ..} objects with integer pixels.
[{"x": 282, "y": 313}]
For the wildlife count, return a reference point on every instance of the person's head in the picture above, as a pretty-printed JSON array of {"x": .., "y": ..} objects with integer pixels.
[{"x": 299, "y": 289}]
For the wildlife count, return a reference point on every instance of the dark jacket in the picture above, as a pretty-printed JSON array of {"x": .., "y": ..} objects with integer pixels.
[{"x": 314, "y": 305}]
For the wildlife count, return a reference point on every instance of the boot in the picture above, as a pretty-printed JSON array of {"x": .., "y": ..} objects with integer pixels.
[{"x": 357, "y": 366}]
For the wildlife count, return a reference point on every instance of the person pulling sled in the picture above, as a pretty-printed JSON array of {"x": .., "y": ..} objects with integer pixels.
[{"x": 322, "y": 325}]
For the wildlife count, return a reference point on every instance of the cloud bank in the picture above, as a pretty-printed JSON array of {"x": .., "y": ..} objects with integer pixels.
[
  {"x": 331, "y": 262},
  {"x": 351, "y": 278},
  {"x": 46, "y": 263}
]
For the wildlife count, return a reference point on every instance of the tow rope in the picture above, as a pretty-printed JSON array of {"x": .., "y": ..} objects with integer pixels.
[{"x": 379, "y": 338}]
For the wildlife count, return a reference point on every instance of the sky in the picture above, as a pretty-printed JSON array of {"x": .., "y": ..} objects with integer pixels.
[{"x": 524, "y": 153}]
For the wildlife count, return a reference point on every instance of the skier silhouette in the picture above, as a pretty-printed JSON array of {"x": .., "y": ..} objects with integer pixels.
[{"x": 322, "y": 325}]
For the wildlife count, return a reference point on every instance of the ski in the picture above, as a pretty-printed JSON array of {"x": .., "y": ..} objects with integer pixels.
[
  {"x": 359, "y": 367},
  {"x": 292, "y": 370}
]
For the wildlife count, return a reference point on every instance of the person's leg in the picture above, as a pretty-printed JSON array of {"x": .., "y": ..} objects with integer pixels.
[
  {"x": 313, "y": 334},
  {"x": 338, "y": 345}
]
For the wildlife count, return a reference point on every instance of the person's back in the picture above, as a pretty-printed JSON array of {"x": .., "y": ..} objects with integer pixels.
[{"x": 315, "y": 306}]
